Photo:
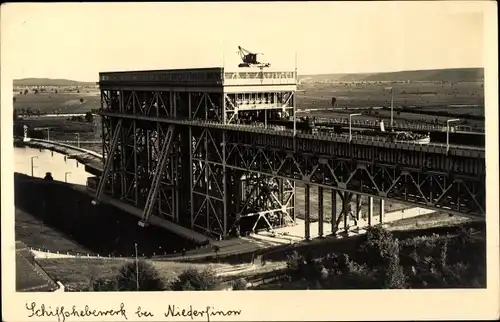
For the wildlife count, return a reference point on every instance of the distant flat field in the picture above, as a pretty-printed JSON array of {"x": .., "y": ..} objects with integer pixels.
[
  {"x": 427, "y": 95},
  {"x": 458, "y": 97},
  {"x": 60, "y": 102}
]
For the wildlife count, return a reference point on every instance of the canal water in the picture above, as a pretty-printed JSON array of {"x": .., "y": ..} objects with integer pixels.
[
  {"x": 61, "y": 168},
  {"x": 102, "y": 229}
]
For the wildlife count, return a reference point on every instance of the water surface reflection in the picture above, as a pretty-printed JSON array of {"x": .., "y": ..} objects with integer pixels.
[{"x": 61, "y": 167}]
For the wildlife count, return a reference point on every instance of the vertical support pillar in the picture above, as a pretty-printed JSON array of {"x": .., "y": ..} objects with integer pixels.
[
  {"x": 121, "y": 102},
  {"x": 205, "y": 105},
  {"x": 224, "y": 183},
  {"x": 207, "y": 174},
  {"x": 174, "y": 104},
  {"x": 136, "y": 170},
  {"x": 104, "y": 130},
  {"x": 382, "y": 209},
  {"x": 239, "y": 193},
  {"x": 134, "y": 104},
  {"x": 174, "y": 164},
  {"x": 345, "y": 210},
  {"x": 370, "y": 210},
  {"x": 294, "y": 202},
  {"x": 358, "y": 207},
  {"x": 334, "y": 212},
  {"x": 191, "y": 197},
  {"x": 157, "y": 147},
  {"x": 189, "y": 106},
  {"x": 320, "y": 211},
  {"x": 224, "y": 112},
  {"x": 307, "y": 214},
  {"x": 123, "y": 161}
]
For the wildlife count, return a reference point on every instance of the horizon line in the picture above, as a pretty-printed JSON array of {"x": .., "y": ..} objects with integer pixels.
[{"x": 314, "y": 74}]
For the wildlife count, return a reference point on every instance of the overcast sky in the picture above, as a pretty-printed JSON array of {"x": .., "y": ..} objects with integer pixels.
[{"x": 77, "y": 41}]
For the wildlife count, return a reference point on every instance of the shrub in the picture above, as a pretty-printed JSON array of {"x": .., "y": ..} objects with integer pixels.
[
  {"x": 149, "y": 278},
  {"x": 294, "y": 265},
  {"x": 240, "y": 284},
  {"x": 197, "y": 280},
  {"x": 379, "y": 247},
  {"x": 394, "y": 274},
  {"x": 352, "y": 276},
  {"x": 104, "y": 285}
]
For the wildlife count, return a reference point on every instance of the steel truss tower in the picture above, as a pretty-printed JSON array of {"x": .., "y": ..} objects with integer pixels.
[
  {"x": 195, "y": 147},
  {"x": 180, "y": 172}
]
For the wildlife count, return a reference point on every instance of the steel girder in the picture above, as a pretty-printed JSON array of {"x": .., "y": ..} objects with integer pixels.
[{"x": 453, "y": 192}]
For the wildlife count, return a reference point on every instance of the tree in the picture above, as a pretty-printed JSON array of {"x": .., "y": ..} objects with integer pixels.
[
  {"x": 26, "y": 91},
  {"x": 395, "y": 277},
  {"x": 379, "y": 247},
  {"x": 197, "y": 280},
  {"x": 104, "y": 285},
  {"x": 149, "y": 277},
  {"x": 240, "y": 284},
  {"x": 82, "y": 100}
]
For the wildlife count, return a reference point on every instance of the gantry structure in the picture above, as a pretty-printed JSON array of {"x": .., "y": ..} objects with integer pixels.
[{"x": 194, "y": 146}]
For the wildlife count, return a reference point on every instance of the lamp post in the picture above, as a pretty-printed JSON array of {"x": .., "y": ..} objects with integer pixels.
[
  {"x": 32, "y": 166},
  {"x": 136, "y": 269},
  {"x": 66, "y": 176},
  {"x": 448, "y": 133},
  {"x": 350, "y": 126},
  {"x": 78, "y": 139},
  {"x": 48, "y": 134}
]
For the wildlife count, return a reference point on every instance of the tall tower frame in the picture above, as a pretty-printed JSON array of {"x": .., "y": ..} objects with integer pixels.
[{"x": 177, "y": 171}]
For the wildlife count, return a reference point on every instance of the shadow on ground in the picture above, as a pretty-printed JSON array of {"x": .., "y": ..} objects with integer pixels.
[{"x": 101, "y": 229}]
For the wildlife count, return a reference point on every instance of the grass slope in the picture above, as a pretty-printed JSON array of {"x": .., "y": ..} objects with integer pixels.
[
  {"x": 49, "y": 82},
  {"x": 452, "y": 74},
  {"x": 77, "y": 273}
]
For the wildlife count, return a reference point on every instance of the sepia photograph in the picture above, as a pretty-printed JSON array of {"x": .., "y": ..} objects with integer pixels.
[{"x": 248, "y": 146}]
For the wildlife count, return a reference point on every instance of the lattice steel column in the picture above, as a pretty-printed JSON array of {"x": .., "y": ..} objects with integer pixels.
[
  {"x": 334, "y": 212},
  {"x": 370, "y": 210},
  {"x": 320, "y": 211},
  {"x": 382, "y": 210},
  {"x": 307, "y": 222},
  {"x": 224, "y": 186},
  {"x": 152, "y": 200},
  {"x": 358, "y": 207},
  {"x": 345, "y": 210}
]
